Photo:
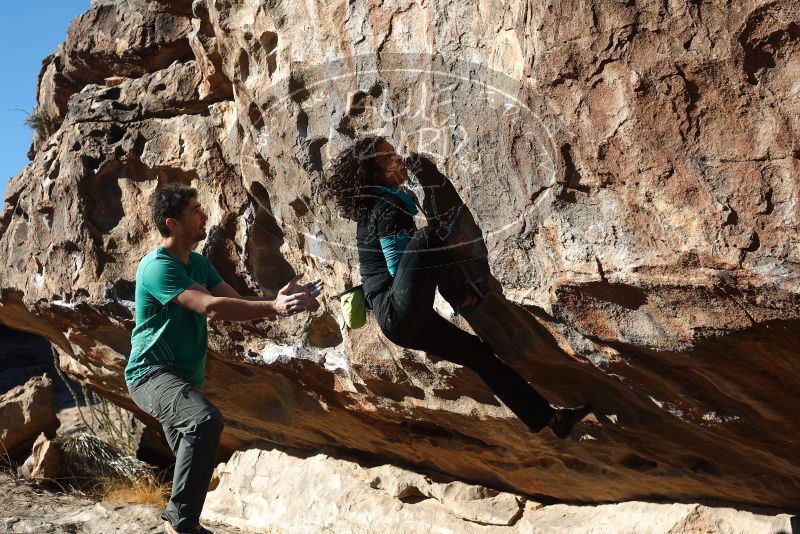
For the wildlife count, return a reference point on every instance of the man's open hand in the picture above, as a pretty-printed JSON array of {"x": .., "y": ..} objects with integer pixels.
[
  {"x": 311, "y": 288},
  {"x": 295, "y": 297}
]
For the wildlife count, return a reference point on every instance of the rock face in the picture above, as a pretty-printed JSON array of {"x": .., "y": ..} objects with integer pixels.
[
  {"x": 25, "y": 412},
  {"x": 633, "y": 166},
  {"x": 45, "y": 462},
  {"x": 272, "y": 491}
]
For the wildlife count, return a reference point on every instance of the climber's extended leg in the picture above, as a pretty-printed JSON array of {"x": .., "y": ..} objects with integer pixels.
[{"x": 444, "y": 340}]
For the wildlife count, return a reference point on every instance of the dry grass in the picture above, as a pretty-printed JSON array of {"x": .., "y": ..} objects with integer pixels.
[
  {"x": 109, "y": 474},
  {"x": 7, "y": 465},
  {"x": 39, "y": 121},
  {"x": 106, "y": 420},
  {"x": 144, "y": 491}
]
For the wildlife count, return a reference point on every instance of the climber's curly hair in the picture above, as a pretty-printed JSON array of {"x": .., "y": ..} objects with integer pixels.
[{"x": 349, "y": 175}]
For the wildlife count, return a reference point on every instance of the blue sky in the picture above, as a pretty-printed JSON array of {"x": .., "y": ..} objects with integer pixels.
[{"x": 32, "y": 31}]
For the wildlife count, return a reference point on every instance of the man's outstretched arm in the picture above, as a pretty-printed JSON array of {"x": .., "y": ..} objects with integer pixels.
[
  {"x": 223, "y": 289},
  {"x": 227, "y": 305}
]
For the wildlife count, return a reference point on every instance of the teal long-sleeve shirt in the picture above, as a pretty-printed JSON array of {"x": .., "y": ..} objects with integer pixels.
[
  {"x": 383, "y": 237},
  {"x": 393, "y": 247}
]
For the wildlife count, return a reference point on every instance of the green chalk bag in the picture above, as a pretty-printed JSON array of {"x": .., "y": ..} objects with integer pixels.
[{"x": 354, "y": 309}]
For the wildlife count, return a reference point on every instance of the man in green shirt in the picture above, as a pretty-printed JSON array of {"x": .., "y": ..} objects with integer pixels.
[{"x": 177, "y": 290}]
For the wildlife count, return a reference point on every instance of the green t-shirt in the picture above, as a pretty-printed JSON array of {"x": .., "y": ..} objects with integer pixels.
[{"x": 166, "y": 333}]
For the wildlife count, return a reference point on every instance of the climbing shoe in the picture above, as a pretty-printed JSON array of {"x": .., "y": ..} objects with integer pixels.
[{"x": 564, "y": 419}]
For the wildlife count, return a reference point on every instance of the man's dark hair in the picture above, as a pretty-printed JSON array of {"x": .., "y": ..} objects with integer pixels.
[
  {"x": 169, "y": 201},
  {"x": 349, "y": 176}
]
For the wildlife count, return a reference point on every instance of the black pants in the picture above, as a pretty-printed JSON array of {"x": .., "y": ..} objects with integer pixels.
[
  {"x": 193, "y": 427},
  {"x": 406, "y": 317}
]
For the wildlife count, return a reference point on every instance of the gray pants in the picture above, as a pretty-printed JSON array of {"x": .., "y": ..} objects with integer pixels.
[{"x": 193, "y": 427}]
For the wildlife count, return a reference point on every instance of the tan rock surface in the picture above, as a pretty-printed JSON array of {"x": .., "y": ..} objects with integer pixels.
[
  {"x": 25, "y": 412},
  {"x": 272, "y": 491},
  {"x": 45, "y": 462},
  {"x": 633, "y": 166}
]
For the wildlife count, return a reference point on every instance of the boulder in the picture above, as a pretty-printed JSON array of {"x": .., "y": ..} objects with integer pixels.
[
  {"x": 633, "y": 167},
  {"x": 266, "y": 490},
  {"x": 262, "y": 489},
  {"x": 27, "y": 411},
  {"x": 45, "y": 462}
]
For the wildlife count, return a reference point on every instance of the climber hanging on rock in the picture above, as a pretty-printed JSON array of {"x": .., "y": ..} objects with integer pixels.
[
  {"x": 401, "y": 267},
  {"x": 177, "y": 289}
]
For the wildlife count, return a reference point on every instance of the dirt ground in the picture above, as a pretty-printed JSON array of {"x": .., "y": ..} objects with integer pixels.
[{"x": 25, "y": 507}]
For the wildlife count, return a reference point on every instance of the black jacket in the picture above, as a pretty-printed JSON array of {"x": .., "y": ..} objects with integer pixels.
[{"x": 387, "y": 216}]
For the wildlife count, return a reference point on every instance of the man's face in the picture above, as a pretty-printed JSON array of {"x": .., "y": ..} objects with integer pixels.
[{"x": 192, "y": 222}]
